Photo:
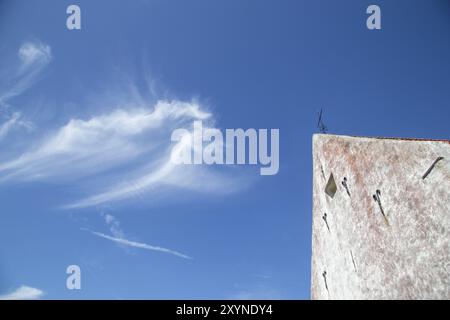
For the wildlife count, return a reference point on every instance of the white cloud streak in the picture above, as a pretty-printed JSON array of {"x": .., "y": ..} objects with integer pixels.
[
  {"x": 94, "y": 145},
  {"x": 139, "y": 245},
  {"x": 114, "y": 225},
  {"x": 9, "y": 124},
  {"x": 34, "y": 53},
  {"x": 123, "y": 137},
  {"x": 33, "y": 56},
  {"x": 125, "y": 190},
  {"x": 120, "y": 139},
  {"x": 23, "y": 293}
]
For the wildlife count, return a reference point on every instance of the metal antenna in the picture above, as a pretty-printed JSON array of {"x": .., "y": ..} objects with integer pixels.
[{"x": 320, "y": 125}]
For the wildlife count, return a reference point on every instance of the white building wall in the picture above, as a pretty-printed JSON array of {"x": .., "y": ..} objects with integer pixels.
[{"x": 363, "y": 254}]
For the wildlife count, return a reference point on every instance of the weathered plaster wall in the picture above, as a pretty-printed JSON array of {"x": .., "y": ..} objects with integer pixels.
[{"x": 363, "y": 254}]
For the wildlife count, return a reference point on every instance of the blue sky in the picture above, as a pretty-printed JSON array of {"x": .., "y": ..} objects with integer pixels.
[{"x": 78, "y": 118}]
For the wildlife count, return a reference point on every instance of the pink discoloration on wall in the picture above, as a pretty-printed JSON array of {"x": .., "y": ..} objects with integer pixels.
[{"x": 407, "y": 257}]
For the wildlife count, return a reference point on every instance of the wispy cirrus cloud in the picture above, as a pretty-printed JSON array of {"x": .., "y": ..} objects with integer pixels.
[
  {"x": 120, "y": 150},
  {"x": 23, "y": 293},
  {"x": 114, "y": 225},
  {"x": 101, "y": 142},
  {"x": 163, "y": 176},
  {"x": 34, "y": 54},
  {"x": 12, "y": 122},
  {"x": 134, "y": 141},
  {"x": 140, "y": 245},
  {"x": 33, "y": 57}
]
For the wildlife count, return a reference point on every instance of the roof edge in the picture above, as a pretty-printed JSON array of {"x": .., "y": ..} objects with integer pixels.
[{"x": 383, "y": 138}]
